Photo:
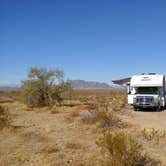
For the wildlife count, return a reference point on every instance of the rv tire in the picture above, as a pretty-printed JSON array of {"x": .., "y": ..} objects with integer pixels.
[{"x": 159, "y": 108}]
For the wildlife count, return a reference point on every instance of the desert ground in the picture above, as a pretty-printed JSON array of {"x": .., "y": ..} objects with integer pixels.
[
  {"x": 151, "y": 120},
  {"x": 68, "y": 135}
]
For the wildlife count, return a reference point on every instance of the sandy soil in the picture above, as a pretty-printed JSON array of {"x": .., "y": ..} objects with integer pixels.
[
  {"x": 40, "y": 138},
  {"x": 45, "y": 139},
  {"x": 150, "y": 120}
]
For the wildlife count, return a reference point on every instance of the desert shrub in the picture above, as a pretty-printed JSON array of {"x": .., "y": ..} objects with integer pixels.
[
  {"x": 102, "y": 115},
  {"x": 84, "y": 99},
  {"x": 109, "y": 119},
  {"x": 157, "y": 136},
  {"x": 106, "y": 117},
  {"x": 88, "y": 117},
  {"x": 69, "y": 93},
  {"x": 120, "y": 149},
  {"x": 43, "y": 87},
  {"x": 5, "y": 119}
]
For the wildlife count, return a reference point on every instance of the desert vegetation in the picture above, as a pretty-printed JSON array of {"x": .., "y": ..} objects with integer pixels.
[
  {"x": 121, "y": 149},
  {"x": 5, "y": 119},
  {"x": 44, "y": 87},
  {"x": 154, "y": 135},
  {"x": 55, "y": 125}
]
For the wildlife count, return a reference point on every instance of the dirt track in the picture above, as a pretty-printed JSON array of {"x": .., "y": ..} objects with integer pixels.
[{"x": 150, "y": 119}]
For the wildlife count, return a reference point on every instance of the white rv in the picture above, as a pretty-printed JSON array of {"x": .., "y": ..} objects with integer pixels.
[{"x": 146, "y": 91}]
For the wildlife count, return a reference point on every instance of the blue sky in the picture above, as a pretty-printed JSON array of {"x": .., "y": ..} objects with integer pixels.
[{"x": 98, "y": 40}]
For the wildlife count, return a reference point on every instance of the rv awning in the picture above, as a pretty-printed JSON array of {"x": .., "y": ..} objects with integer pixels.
[{"x": 122, "y": 81}]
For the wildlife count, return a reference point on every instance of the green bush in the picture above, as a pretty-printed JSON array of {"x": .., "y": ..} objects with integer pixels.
[
  {"x": 120, "y": 149},
  {"x": 5, "y": 119},
  {"x": 43, "y": 87}
]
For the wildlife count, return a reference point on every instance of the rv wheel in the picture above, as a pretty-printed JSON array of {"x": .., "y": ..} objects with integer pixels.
[
  {"x": 135, "y": 109},
  {"x": 159, "y": 108}
]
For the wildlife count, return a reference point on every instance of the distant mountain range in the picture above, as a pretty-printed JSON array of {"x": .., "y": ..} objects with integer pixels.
[
  {"x": 9, "y": 87},
  {"x": 75, "y": 84},
  {"x": 81, "y": 84}
]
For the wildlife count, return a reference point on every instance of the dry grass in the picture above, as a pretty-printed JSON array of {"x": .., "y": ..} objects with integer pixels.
[
  {"x": 119, "y": 149},
  {"x": 109, "y": 120},
  {"x": 74, "y": 114},
  {"x": 5, "y": 118},
  {"x": 34, "y": 136},
  {"x": 68, "y": 141},
  {"x": 73, "y": 145},
  {"x": 154, "y": 135},
  {"x": 50, "y": 148},
  {"x": 117, "y": 98},
  {"x": 7, "y": 96},
  {"x": 103, "y": 116},
  {"x": 88, "y": 117},
  {"x": 54, "y": 110},
  {"x": 6, "y": 100}
]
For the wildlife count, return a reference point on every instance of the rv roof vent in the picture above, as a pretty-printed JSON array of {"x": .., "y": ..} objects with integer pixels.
[{"x": 152, "y": 73}]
